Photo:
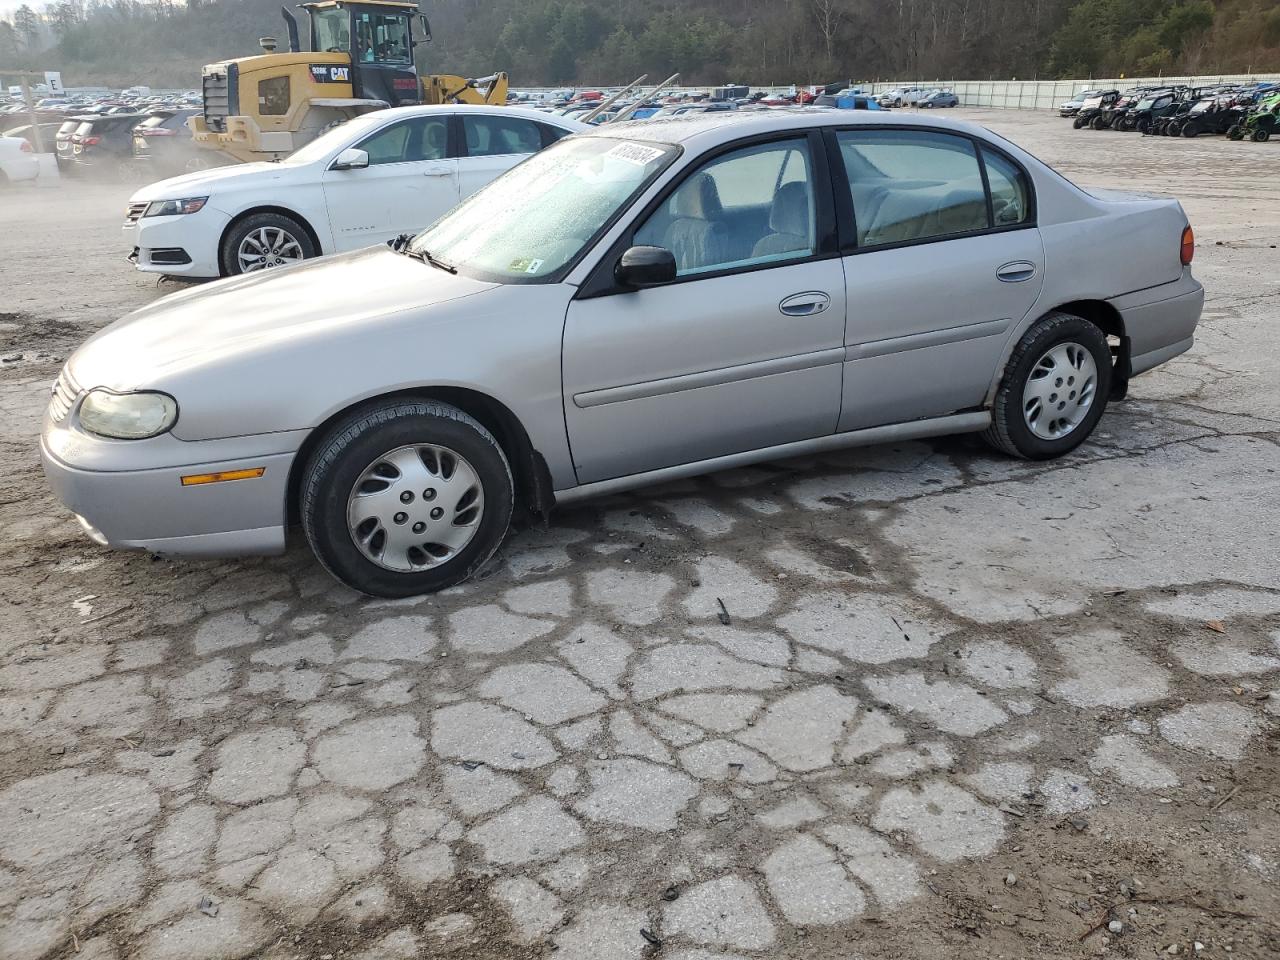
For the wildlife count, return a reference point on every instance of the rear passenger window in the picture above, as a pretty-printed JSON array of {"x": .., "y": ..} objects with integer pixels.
[
  {"x": 1010, "y": 196},
  {"x": 909, "y": 186},
  {"x": 499, "y": 136}
]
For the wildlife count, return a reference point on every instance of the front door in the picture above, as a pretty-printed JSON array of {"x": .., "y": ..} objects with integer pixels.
[
  {"x": 944, "y": 267},
  {"x": 743, "y": 351},
  {"x": 410, "y": 181}
]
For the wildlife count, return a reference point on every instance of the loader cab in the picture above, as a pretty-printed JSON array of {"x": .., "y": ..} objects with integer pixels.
[{"x": 378, "y": 37}]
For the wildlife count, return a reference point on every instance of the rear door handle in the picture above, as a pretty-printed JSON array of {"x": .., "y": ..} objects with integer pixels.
[
  {"x": 807, "y": 304},
  {"x": 1016, "y": 272}
]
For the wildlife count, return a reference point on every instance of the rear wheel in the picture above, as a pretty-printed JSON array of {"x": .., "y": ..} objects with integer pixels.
[
  {"x": 1236, "y": 132},
  {"x": 1054, "y": 389},
  {"x": 406, "y": 497},
  {"x": 1173, "y": 129},
  {"x": 1190, "y": 130},
  {"x": 1098, "y": 123},
  {"x": 1143, "y": 126},
  {"x": 1261, "y": 135},
  {"x": 263, "y": 241}
]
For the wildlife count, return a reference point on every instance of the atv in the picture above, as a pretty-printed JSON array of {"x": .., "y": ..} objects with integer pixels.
[
  {"x": 1152, "y": 107},
  {"x": 1093, "y": 108},
  {"x": 1260, "y": 122},
  {"x": 1211, "y": 115},
  {"x": 1112, "y": 117}
]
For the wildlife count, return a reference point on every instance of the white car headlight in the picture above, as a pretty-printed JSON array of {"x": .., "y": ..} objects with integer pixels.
[
  {"x": 172, "y": 208},
  {"x": 127, "y": 416}
]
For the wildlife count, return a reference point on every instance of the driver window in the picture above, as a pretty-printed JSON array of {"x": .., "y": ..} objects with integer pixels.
[
  {"x": 749, "y": 207},
  {"x": 382, "y": 38},
  {"x": 422, "y": 138}
]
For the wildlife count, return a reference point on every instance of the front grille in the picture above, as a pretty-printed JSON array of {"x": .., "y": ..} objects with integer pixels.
[
  {"x": 64, "y": 395},
  {"x": 217, "y": 101},
  {"x": 135, "y": 212}
]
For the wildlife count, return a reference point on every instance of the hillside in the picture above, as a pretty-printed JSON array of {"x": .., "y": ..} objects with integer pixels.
[{"x": 120, "y": 42}]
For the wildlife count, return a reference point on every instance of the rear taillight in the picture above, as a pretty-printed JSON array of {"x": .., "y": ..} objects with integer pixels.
[
  {"x": 1188, "y": 246},
  {"x": 26, "y": 147},
  {"x": 91, "y": 141},
  {"x": 155, "y": 132}
]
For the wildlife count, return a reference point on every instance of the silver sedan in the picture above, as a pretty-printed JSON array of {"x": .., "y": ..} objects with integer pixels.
[{"x": 632, "y": 305}]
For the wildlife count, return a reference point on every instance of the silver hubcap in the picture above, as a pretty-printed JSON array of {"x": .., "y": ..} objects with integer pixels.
[
  {"x": 268, "y": 247},
  {"x": 415, "y": 508},
  {"x": 1060, "y": 391}
]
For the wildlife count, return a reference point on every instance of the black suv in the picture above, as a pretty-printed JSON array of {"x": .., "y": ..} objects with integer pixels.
[{"x": 104, "y": 146}]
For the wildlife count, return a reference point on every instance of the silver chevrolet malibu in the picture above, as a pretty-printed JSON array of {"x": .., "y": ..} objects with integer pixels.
[{"x": 632, "y": 305}]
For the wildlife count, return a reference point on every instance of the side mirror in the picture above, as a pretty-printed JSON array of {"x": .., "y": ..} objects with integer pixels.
[
  {"x": 643, "y": 267},
  {"x": 351, "y": 159},
  {"x": 426, "y": 28}
]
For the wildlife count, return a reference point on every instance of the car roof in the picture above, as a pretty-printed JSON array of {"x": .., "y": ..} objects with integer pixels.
[
  {"x": 708, "y": 129},
  {"x": 497, "y": 110}
]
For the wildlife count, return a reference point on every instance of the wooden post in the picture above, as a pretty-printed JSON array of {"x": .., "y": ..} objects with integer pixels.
[{"x": 31, "y": 111}]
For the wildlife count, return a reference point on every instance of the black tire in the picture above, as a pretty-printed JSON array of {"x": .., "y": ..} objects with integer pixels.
[
  {"x": 1261, "y": 135},
  {"x": 1143, "y": 126},
  {"x": 1009, "y": 431},
  {"x": 1190, "y": 130},
  {"x": 1077, "y": 123},
  {"x": 1173, "y": 129},
  {"x": 1236, "y": 132},
  {"x": 235, "y": 236},
  {"x": 1098, "y": 123},
  {"x": 358, "y": 441}
]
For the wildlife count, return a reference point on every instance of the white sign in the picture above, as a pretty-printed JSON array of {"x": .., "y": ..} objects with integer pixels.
[{"x": 53, "y": 79}]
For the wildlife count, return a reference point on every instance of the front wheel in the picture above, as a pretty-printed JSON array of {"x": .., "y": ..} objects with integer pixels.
[
  {"x": 1078, "y": 122},
  {"x": 1235, "y": 132},
  {"x": 1098, "y": 122},
  {"x": 406, "y": 497},
  {"x": 263, "y": 241},
  {"x": 1191, "y": 130},
  {"x": 1143, "y": 126},
  {"x": 1261, "y": 135},
  {"x": 1054, "y": 389}
]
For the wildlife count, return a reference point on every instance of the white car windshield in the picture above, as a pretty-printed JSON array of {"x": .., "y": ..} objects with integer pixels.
[
  {"x": 536, "y": 219},
  {"x": 336, "y": 138}
]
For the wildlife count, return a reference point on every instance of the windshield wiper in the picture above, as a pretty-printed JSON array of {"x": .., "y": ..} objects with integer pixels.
[{"x": 401, "y": 245}]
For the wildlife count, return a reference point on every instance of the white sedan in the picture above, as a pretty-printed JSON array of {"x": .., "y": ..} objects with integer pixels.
[
  {"x": 17, "y": 160},
  {"x": 373, "y": 178}
]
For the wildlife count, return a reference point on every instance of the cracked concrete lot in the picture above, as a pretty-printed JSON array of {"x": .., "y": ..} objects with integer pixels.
[{"x": 961, "y": 703}]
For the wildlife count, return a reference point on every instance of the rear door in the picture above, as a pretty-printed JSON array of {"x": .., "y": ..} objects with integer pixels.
[
  {"x": 491, "y": 145},
  {"x": 744, "y": 350},
  {"x": 942, "y": 259},
  {"x": 411, "y": 179}
]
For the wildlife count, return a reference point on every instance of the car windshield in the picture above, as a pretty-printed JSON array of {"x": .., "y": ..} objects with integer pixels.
[
  {"x": 535, "y": 220},
  {"x": 1202, "y": 106},
  {"x": 335, "y": 139},
  {"x": 1145, "y": 103}
]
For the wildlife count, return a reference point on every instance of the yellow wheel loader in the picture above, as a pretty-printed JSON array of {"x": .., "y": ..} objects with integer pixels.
[{"x": 361, "y": 59}]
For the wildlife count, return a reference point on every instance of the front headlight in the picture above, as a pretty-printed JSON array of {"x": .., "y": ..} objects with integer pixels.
[
  {"x": 172, "y": 208},
  {"x": 127, "y": 416}
]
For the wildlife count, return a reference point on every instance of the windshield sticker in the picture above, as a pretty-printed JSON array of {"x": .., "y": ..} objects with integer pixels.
[
  {"x": 637, "y": 153},
  {"x": 526, "y": 265}
]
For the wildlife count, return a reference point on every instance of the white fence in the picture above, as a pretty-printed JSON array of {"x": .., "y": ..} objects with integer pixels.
[
  {"x": 1047, "y": 94},
  {"x": 1017, "y": 94}
]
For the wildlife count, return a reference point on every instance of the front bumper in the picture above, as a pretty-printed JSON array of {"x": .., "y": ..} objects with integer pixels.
[
  {"x": 150, "y": 509},
  {"x": 196, "y": 235}
]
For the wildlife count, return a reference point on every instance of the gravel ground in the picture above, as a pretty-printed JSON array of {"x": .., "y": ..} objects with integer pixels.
[{"x": 963, "y": 703}]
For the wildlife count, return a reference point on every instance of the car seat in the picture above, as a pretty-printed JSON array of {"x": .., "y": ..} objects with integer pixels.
[
  {"x": 697, "y": 235},
  {"x": 788, "y": 221}
]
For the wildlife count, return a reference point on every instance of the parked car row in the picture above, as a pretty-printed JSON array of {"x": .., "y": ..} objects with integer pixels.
[{"x": 632, "y": 304}]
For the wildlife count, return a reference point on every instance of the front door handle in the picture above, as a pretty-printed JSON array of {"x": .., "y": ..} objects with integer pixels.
[
  {"x": 438, "y": 173},
  {"x": 1017, "y": 272},
  {"x": 807, "y": 304}
]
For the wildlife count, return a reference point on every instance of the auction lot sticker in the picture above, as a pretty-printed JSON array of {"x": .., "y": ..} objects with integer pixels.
[{"x": 638, "y": 153}]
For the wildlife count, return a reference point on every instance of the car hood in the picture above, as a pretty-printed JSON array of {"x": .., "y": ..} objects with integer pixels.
[
  {"x": 206, "y": 182},
  {"x": 262, "y": 313}
]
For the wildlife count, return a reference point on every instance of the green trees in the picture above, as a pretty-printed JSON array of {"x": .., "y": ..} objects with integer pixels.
[{"x": 593, "y": 42}]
